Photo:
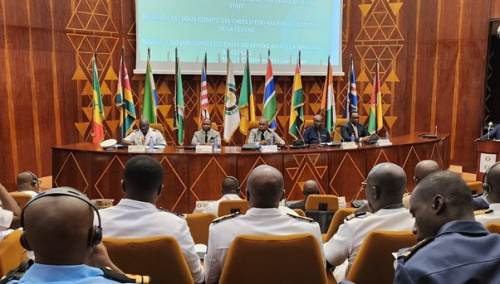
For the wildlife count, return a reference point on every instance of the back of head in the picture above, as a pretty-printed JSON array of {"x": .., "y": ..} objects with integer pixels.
[
  {"x": 142, "y": 178},
  {"x": 230, "y": 185},
  {"x": 265, "y": 187},
  {"x": 27, "y": 181},
  {"x": 424, "y": 168},
  {"x": 310, "y": 187},
  {"x": 388, "y": 182},
  {"x": 491, "y": 184},
  {"x": 59, "y": 229}
]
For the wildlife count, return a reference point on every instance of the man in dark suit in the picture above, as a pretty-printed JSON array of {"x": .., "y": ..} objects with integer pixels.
[
  {"x": 354, "y": 127},
  {"x": 492, "y": 134}
]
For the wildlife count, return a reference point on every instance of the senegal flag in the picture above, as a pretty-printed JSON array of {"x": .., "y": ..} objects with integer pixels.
[{"x": 98, "y": 117}]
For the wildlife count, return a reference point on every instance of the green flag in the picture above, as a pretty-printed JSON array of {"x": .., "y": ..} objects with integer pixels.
[
  {"x": 180, "y": 106},
  {"x": 149, "y": 101},
  {"x": 297, "y": 105}
]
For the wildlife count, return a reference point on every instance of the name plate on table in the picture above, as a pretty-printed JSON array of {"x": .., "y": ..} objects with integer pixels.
[
  {"x": 204, "y": 148},
  {"x": 349, "y": 145},
  {"x": 201, "y": 205},
  {"x": 136, "y": 149},
  {"x": 383, "y": 142},
  {"x": 269, "y": 149},
  {"x": 342, "y": 203}
]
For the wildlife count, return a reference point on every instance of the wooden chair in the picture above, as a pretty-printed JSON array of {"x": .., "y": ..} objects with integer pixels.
[
  {"x": 321, "y": 208},
  {"x": 275, "y": 259},
  {"x": 339, "y": 122},
  {"x": 20, "y": 198},
  {"x": 227, "y": 207},
  {"x": 198, "y": 225},
  {"x": 476, "y": 187},
  {"x": 11, "y": 252},
  {"x": 300, "y": 212},
  {"x": 158, "y": 257},
  {"x": 338, "y": 219},
  {"x": 493, "y": 227},
  {"x": 375, "y": 262}
]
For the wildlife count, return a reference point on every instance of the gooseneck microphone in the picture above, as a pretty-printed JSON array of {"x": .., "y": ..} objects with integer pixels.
[
  {"x": 489, "y": 128},
  {"x": 341, "y": 138},
  {"x": 301, "y": 137}
]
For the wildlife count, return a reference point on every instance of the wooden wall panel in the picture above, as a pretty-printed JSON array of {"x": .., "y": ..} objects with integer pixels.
[{"x": 433, "y": 73}]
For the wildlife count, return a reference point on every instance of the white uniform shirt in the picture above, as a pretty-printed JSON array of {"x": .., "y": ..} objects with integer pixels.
[
  {"x": 256, "y": 221},
  {"x": 213, "y": 207},
  {"x": 136, "y": 219},
  {"x": 30, "y": 192},
  {"x": 493, "y": 217},
  {"x": 6, "y": 217},
  {"x": 138, "y": 138},
  {"x": 346, "y": 242}
]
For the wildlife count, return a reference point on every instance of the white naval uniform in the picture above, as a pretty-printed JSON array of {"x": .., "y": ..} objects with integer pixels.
[
  {"x": 256, "y": 221},
  {"x": 6, "y": 217},
  {"x": 213, "y": 207},
  {"x": 493, "y": 217},
  {"x": 346, "y": 242},
  {"x": 32, "y": 193},
  {"x": 136, "y": 137},
  {"x": 136, "y": 219}
]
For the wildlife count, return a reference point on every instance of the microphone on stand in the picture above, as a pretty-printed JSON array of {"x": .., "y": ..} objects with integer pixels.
[
  {"x": 489, "y": 127},
  {"x": 341, "y": 138},
  {"x": 301, "y": 137}
]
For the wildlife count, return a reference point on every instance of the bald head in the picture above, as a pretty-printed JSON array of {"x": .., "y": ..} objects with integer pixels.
[
  {"x": 492, "y": 178},
  {"x": 424, "y": 168},
  {"x": 263, "y": 124},
  {"x": 310, "y": 187},
  {"x": 385, "y": 185},
  {"x": 59, "y": 229},
  {"x": 265, "y": 187},
  {"x": 144, "y": 126},
  {"x": 318, "y": 121},
  {"x": 24, "y": 182}
]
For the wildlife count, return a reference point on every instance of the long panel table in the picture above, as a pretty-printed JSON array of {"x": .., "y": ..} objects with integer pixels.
[{"x": 189, "y": 176}]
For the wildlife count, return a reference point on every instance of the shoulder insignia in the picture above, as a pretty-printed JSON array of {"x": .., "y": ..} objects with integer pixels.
[
  {"x": 225, "y": 217},
  {"x": 135, "y": 130},
  {"x": 168, "y": 211},
  {"x": 155, "y": 130},
  {"x": 301, "y": 218},
  {"x": 125, "y": 278},
  {"x": 411, "y": 251},
  {"x": 482, "y": 212},
  {"x": 355, "y": 215}
]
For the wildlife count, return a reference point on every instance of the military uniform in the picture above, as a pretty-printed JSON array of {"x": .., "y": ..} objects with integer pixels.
[
  {"x": 312, "y": 135},
  {"x": 136, "y": 219},
  {"x": 461, "y": 252},
  {"x": 346, "y": 242},
  {"x": 256, "y": 136},
  {"x": 199, "y": 137},
  {"x": 5, "y": 219},
  {"x": 256, "y": 221},
  {"x": 213, "y": 207},
  {"x": 136, "y": 137},
  {"x": 491, "y": 215}
]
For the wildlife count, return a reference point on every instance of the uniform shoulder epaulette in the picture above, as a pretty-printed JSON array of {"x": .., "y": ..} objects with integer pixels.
[
  {"x": 125, "y": 278},
  {"x": 301, "y": 218},
  {"x": 175, "y": 213},
  {"x": 411, "y": 251},
  {"x": 225, "y": 217},
  {"x": 135, "y": 130},
  {"x": 355, "y": 215},
  {"x": 156, "y": 130},
  {"x": 483, "y": 211}
]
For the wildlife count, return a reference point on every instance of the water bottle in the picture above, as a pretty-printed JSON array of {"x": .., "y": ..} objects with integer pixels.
[
  {"x": 151, "y": 144},
  {"x": 216, "y": 144},
  {"x": 387, "y": 135},
  {"x": 271, "y": 141},
  {"x": 353, "y": 138}
]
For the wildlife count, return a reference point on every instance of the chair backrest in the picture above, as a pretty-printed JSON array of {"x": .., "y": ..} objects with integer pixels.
[
  {"x": 338, "y": 123},
  {"x": 274, "y": 259},
  {"x": 493, "y": 227},
  {"x": 251, "y": 125},
  {"x": 374, "y": 262},
  {"x": 198, "y": 225},
  {"x": 20, "y": 198},
  {"x": 227, "y": 207},
  {"x": 300, "y": 212},
  {"x": 11, "y": 252},
  {"x": 338, "y": 219},
  {"x": 476, "y": 187},
  {"x": 322, "y": 202},
  {"x": 158, "y": 257},
  {"x": 157, "y": 126}
]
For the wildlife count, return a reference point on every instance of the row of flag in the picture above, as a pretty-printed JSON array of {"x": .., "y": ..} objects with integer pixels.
[{"x": 236, "y": 114}]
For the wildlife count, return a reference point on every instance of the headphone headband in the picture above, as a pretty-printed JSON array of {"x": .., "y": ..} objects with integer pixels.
[{"x": 486, "y": 185}]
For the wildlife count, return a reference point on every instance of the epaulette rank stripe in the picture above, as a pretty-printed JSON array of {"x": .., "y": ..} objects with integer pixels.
[
  {"x": 354, "y": 215},
  {"x": 406, "y": 255},
  {"x": 484, "y": 211},
  {"x": 301, "y": 218},
  {"x": 225, "y": 217}
]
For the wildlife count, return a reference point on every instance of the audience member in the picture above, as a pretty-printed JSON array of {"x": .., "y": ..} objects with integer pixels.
[
  {"x": 10, "y": 213},
  {"x": 354, "y": 127},
  {"x": 28, "y": 182},
  {"x": 263, "y": 134},
  {"x": 491, "y": 190},
  {"x": 136, "y": 215},
  {"x": 422, "y": 169},
  {"x": 453, "y": 247},
  {"x": 230, "y": 191},
  {"x": 317, "y": 133},
  {"x": 143, "y": 135},
  {"x": 206, "y": 134},
  {"x": 265, "y": 189},
  {"x": 385, "y": 186},
  {"x": 310, "y": 187}
]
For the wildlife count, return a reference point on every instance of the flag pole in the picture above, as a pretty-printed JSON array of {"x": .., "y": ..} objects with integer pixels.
[
  {"x": 122, "y": 113},
  {"x": 205, "y": 63},
  {"x": 175, "y": 90}
]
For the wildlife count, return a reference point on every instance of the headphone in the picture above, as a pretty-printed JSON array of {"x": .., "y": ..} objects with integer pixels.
[
  {"x": 235, "y": 180},
  {"x": 65, "y": 191},
  {"x": 34, "y": 179},
  {"x": 486, "y": 185}
]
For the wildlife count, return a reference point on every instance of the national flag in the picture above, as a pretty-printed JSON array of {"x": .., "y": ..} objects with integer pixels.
[
  {"x": 330, "y": 113},
  {"x": 375, "y": 120},
  {"x": 246, "y": 103},
  {"x": 296, "y": 105},
  {"x": 150, "y": 100},
  {"x": 270, "y": 101},
  {"x": 232, "y": 111},
  {"x": 179, "y": 103},
  {"x": 204, "y": 110},
  {"x": 98, "y": 115},
  {"x": 125, "y": 100},
  {"x": 351, "y": 104}
]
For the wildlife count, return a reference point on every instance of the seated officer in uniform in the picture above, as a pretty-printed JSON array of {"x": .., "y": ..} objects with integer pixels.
[
  {"x": 354, "y": 127},
  {"x": 262, "y": 135},
  {"x": 230, "y": 191},
  {"x": 453, "y": 247},
  {"x": 206, "y": 134},
  {"x": 142, "y": 135},
  {"x": 58, "y": 228},
  {"x": 28, "y": 182},
  {"x": 10, "y": 213},
  {"x": 265, "y": 189},
  {"x": 310, "y": 187},
  {"x": 491, "y": 195},
  {"x": 385, "y": 186},
  {"x": 136, "y": 215},
  {"x": 317, "y": 133}
]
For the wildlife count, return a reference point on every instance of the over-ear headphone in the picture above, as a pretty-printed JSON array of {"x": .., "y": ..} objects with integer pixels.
[
  {"x": 65, "y": 191},
  {"x": 235, "y": 180},
  {"x": 486, "y": 185},
  {"x": 34, "y": 179}
]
